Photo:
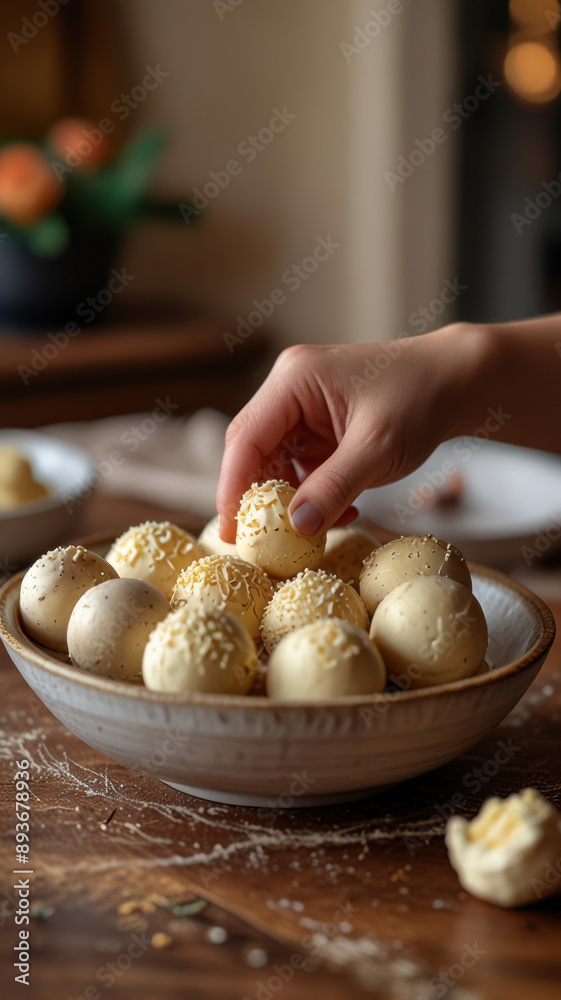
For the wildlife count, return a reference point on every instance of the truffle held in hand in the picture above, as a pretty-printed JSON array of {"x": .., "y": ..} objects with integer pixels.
[
  {"x": 430, "y": 629},
  {"x": 156, "y": 552},
  {"x": 200, "y": 648},
  {"x": 227, "y": 582},
  {"x": 406, "y": 558},
  {"x": 326, "y": 659},
  {"x": 311, "y": 595},
  {"x": 110, "y": 625},
  {"x": 53, "y": 586},
  {"x": 265, "y": 535}
]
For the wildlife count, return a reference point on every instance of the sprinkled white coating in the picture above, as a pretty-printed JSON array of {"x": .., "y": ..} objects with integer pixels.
[
  {"x": 406, "y": 558},
  {"x": 326, "y": 659},
  {"x": 265, "y": 535},
  {"x": 156, "y": 552},
  {"x": 51, "y": 588},
  {"x": 311, "y": 595},
  {"x": 230, "y": 583},
  {"x": 200, "y": 647}
]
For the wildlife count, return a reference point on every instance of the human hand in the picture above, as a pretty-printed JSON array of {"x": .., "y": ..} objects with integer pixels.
[{"x": 353, "y": 416}]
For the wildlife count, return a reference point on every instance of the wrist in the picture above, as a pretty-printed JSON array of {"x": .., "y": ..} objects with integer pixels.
[{"x": 469, "y": 355}]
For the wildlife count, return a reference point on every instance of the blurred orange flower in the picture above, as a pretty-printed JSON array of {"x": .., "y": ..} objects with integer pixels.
[
  {"x": 28, "y": 187},
  {"x": 80, "y": 143}
]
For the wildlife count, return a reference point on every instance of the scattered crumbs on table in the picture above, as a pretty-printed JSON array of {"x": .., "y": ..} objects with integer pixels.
[
  {"x": 399, "y": 876},
  {"x": 397, "y": 945},
  {"x": 217, "y": 935},
  {"x": 136, "y": 906},
  {"x": 256, "y": 958},
  {"x": 438, "y": 904},
  {"x": 77, "y": 809},
  {"x": 403, "y": 890},
  {"x": 351, "y": 870},
  {"x": 161, "y": 940},
  {"x": 345, "y": 927}
]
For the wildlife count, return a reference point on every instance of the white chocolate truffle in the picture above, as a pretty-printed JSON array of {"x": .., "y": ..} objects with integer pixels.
[
  {"x": 311, "y": 595},
  {"x": 51, "y": 588},
  {"x": 326, "y": 659},
  {"x": 200, "y": 648},
  {"x": 345, "y": 552},
  {"x": 17, "y": 484},
  {"x": 211, "y": 542},
  {"x": 509, "y": 853},
  {"x": 430, "y": 629},
  {"x": 156, "y": 552},
  {"x": 110, "y": 625},
  {"x": 227, "y": 582},
  {"x": 405, "y": 558},
  {"x": 265, "y": 535}
]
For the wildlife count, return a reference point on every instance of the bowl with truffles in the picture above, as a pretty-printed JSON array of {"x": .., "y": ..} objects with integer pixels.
[{"x": 357, "y": 664}]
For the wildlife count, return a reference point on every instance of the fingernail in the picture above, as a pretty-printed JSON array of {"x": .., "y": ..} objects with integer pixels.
[{"x": 306, "y": 519}]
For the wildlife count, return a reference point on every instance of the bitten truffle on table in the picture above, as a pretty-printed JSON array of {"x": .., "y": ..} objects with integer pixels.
[
  {"x": 52, "y": 587},
  {"x": 156, "y": 552},
  {"x": 265, "y": 534}
]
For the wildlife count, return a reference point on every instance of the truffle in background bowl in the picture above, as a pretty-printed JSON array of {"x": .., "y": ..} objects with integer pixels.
[{"x": 31, "y": 528}]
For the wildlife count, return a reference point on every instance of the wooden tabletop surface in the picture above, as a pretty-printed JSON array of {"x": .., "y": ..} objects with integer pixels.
[{"x": 335, "y": 902}]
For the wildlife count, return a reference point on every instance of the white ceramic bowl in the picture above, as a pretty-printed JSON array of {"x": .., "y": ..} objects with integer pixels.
[
  {"x": 256, "y": 751},
  {"x": 32, "y": 528}
]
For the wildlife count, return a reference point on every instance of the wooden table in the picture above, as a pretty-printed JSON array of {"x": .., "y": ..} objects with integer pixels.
[{"x": 337, "y": 902}]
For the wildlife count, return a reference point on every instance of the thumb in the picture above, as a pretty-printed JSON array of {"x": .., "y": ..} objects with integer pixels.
[{"x": 328, "y": 491}]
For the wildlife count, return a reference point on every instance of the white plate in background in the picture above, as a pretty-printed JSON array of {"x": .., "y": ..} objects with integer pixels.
[{"x": 510, "y": 508}]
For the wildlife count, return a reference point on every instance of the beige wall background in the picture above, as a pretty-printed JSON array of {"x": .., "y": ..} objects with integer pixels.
[{"x": 321, "y": 176}]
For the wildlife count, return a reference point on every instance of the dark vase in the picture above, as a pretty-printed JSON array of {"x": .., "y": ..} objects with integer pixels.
[{"x": 40, "y": 292}]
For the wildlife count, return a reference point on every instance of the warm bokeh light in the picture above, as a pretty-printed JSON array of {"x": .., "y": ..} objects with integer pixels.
[
  {"x": 533, "y": 71},
  {"x": 543, "y": 14}
]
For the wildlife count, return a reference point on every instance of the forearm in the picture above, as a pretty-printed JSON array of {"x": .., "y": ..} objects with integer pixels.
[{"x": 506, "y": 378}]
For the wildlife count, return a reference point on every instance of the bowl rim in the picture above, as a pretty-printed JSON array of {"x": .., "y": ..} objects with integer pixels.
[
  {"x": 14, "y": 637},
  {"x": 54, "y": 498}
]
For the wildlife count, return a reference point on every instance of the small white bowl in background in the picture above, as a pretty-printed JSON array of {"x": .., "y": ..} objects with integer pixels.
[{"x": 32, "y": 528}]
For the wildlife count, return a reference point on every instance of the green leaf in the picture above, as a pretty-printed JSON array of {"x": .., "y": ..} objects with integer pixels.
[{"x": 49, "y": 237}]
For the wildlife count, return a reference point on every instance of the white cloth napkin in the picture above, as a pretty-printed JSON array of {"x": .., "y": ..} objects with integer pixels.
[{"x": 166, "y": 460}]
